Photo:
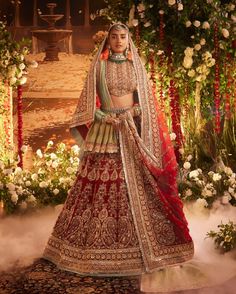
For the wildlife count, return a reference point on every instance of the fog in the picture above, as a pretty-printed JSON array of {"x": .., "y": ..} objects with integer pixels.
[{"x": 23, "y": 238}]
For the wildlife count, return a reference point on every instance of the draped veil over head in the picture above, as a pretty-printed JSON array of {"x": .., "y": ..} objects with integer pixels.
[{"x": 149, "y": 165}]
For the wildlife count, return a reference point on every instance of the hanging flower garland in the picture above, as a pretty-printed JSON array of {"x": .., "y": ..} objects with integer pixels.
[
  {"x": 20, "y": 125},
  {"x": 217, "y": 80},
  {"x": 161, "y": 62},
  {"x": 228, "y": 87}
]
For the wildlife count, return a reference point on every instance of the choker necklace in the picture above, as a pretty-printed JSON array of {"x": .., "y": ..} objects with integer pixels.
[{"x": 117, "y": 57}]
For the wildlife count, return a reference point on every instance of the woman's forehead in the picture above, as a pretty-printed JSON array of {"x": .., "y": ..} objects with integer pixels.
[{"x": 118, "y": 32}]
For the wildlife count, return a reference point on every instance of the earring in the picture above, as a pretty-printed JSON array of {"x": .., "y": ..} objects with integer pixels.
[
  {"x": 110, "y": 51},
  {"x": 126, "y": 52}
]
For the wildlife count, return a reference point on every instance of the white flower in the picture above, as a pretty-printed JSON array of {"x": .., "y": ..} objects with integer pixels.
[
  {"x": 39, "y": 153},
  {"x": 191, "y": 73},
  {"x": 233, "y": 17},
  {"x": 228, "y": 171},
  {"x": 205, "y": 25},
  {"x": 43, "y": 184},
  {"x": 20, "y": 190},
  {"x": 49, "y": 163},
  {"x": 180, "y": 6},
  {"x": 202, "y": 41},
  {"x": 187, "y": 165},
  {"x": 135, "y": 22},
  {"x": 197, "y": 47},
  {"x": 69, "y": 170},
  {"x": 210, "y": 62},
  {"x": 225, "y": 33},
  {"x": 62, "y": 180},
  {"x": 187, "y": 62},
  {"x": 172, "y": 136},
  {"x": 24, "y": 148},
  {"x": 196, "y": 23},
  {"x": 13, "y": 80},
  {"x": 23, "y": 80},
  {"x": 55, "y": 191},
  {"x": 14, "y": 197},
  {"x": 28, "y": 183},
  {"x": 75, "y": 149},
  {"x": 194, "y": 174},
  {"x": 53, "y": 156},
  {"x": 21, "y": 66},
  {"x": 55, "y": 164},
  {"x": 34, "y": 177},
  {"x": 188, "y": 24},
  {"x": 216, "y": 177},
  {"x": 147, "y": 24},
  {"x": 18, "y": 170},
  {"x": 31, "y": 199},
  {"x": 161, "y": 11},
  {"x": 50, "y": 143},
  {"x": 160, "y": 52},
  {"x": 10, "y": 186},
  {"x": 188, "y": 192},
  {"x": 188, "y": 51},
  {"x": 171, "y": 2},
  {"x": 206, "y": 193}
]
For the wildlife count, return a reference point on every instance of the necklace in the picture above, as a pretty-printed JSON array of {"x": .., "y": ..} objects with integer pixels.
[{"x": 117, "y": 57}]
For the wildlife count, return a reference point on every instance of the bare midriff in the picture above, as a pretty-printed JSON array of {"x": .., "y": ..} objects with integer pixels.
[{"x": 124, "y": 101}]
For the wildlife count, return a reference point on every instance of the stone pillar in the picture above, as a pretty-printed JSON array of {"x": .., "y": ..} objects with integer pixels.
[
  {"x": 17, "y": 13},
  {"x": 35, "y": 14},
  {"x": 68, "y": 21},
  {"x": 86, "y": 14}
]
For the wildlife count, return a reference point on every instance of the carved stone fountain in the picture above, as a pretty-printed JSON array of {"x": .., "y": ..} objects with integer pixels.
[{"x": 52, "y": 36}]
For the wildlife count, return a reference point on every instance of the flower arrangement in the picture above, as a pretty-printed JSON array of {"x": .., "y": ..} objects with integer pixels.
[
  {"x": 206, "y": 186},
  {"x": 47, "y": 183},
  {"x": 225, "y": 238},
  {"x": 12, "y": 55}
]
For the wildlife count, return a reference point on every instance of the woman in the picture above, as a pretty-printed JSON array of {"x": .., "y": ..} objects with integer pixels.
[{"x": 123, "y": 216}]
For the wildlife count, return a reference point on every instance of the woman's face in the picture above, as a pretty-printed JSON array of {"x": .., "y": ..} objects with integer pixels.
[{"x": 118, "y": 40}]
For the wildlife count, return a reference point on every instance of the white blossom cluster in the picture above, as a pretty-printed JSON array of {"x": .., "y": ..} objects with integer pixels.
[{"x": 52, "y": 173}]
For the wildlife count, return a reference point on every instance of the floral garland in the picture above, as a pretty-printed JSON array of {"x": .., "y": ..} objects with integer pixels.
[
  {"x": 217, "y": 80},
  {"x": 20, "y": 125}
]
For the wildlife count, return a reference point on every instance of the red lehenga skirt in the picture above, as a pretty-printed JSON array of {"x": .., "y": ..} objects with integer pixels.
[
  {"x": 95, "y": 233},
  {"x": 122, "y": 216}
]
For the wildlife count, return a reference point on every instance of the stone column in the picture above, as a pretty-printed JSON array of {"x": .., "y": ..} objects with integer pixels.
[
  {"x": 17, "y": 13},
  {"x": 68, "y": 21},
  {"x": 35, "y": 14},
  {"x": 86, "y": 14}
]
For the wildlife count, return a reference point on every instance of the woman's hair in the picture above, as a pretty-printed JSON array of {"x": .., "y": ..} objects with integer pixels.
[{"x": 118, "y": 27}]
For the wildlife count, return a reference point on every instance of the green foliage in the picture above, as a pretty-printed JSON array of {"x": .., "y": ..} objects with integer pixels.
[{"x": 225, "y": 238}]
